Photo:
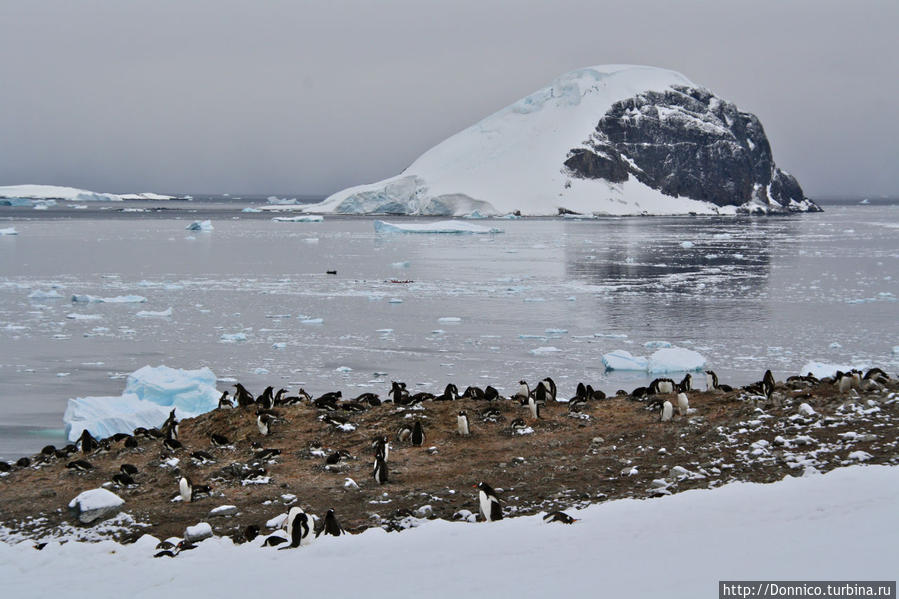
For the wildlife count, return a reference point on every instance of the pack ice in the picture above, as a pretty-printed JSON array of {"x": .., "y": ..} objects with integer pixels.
[{"x": 150, "y": 394}]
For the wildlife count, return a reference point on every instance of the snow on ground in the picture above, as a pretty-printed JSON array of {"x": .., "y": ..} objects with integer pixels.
[
  {"x": 150, "y": 394},
  {"x": 444, "y": 226},
  {"x": 837, "y": 526}
]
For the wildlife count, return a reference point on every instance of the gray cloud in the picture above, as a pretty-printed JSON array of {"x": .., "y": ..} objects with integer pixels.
[{"x": 288, "y": 97}]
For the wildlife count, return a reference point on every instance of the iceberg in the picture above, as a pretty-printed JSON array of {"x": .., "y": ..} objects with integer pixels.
[
  {"x": 623, "y": 360},
  {"x": 675, "y": 359},
  {"x": 119, "y": 299},
  {"x": 667, "y": 359},
  {"x": 16, "y": 202},
  {"x": 150, "y": 394},
  {"x": 444, "y": 226},
  {"x": 40, "y": 294},
  {"x": 200, "y": 225},
  {"x": 306, "y": 218}
]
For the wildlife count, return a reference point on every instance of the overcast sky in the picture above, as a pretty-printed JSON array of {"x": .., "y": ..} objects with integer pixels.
[{"x": 310, "y": 97}]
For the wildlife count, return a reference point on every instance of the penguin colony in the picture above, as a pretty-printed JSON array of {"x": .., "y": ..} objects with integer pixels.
[{"x": 662, "y": 395}]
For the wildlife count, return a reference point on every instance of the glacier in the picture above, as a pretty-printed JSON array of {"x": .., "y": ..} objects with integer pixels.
[
  {"x": 150, "y": 394},
  {"x": 544, "y": 156}
]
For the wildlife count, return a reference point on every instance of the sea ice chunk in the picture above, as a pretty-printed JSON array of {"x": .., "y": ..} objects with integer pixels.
[
  {"x": 151, "y": 314},
  {"x": 623, "y": 360},
  {"x": 150, "y": 393},
  {"x": 200, "y": 225},
  {"x": 444, "y": 226},
  {"x": 40, "y": 294},
  {"x": 306, "y": 218},
  {"x": 119, "y": 299},
  {"x": 675, "y": 359}
]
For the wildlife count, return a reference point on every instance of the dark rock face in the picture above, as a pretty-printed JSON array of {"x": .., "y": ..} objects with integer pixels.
[{"x": 687, "y": 142}]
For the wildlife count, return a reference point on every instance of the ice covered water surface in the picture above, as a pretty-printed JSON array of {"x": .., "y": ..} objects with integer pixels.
[{"x": 748, "y": 295}]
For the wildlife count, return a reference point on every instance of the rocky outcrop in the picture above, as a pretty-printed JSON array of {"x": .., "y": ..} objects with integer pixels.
[{"x": 687, "y": 142}]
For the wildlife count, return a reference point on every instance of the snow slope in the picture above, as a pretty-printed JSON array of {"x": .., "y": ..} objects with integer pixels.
[
  {"x": 513, "y": 159},
  {"x": 838, "y": 526}
]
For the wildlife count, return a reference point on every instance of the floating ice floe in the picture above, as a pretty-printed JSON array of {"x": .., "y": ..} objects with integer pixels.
[
  {"x": 200, "y": 225},
  {"x": 232, "y": 337},
  {"x": 9, "y": 231},
  {"x": 39, "y": 294},
  {"x": 656, "y": 344},
  {"x": 306, "y": 218},
  {"x": 151, "y": 314},
  {"x": 445, "y": 226},
  {"x": 250, "y": 209},
  {"x": 544, "y": 350},
  {"x": 77, "y": 316},
  {"x": 823, "y": 369},
  {"x": 119, "y": 299},
  {"x": 312, "y": 321},
  {"x": 686, "y": 244},
  {"x": 666, "y": 359},
  {"x": 150, "y": 394},
  {"x": 449, "y": 319},
  {"x": 403, "y": 264}
]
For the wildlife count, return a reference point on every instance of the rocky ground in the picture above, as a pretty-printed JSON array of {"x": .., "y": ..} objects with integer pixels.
[{"x": 615, "y": 449}]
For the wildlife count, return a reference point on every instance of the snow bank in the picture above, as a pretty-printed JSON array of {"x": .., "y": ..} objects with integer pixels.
[
  {"x": 54, "y": 192},
  {"x": 836, "y": 525},
  {"x": 150, "y": 393},
  {"x": 444, "y": 226},
  {"x": 200, "y": 225}
]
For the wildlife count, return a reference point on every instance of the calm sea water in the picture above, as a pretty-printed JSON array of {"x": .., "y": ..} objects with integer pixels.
[{"x": 545, "y": 298}]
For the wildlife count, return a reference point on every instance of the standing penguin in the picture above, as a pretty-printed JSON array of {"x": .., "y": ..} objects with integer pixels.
[
  {"x": 667, "y": 411},
  {"x": 170, "y": 427},
  {"x": 332, "y": 526},
  {"x": 186, "y": 488},
  {"x": 380, "y": 470},
  {"x": 686, "y": 383},
  {"x": 524, "y": 392},
  {"x": 488, "y": 503},
  {"x": 225, "y": 401},
  {"x": 244, "y": 397},
  {"x": 462, "y": 423},
  {"x": 534, "y": 405},
  {"x": 418, "y": 434},
  {"x": 264, "y": 423},
  {"x": 299, "y": 527},
  {"x": 550, "y": 386},
  {"x": 381, "y": 447},
  {"x": 87, "y": 443},
  {"x": 683, "y": 404}
]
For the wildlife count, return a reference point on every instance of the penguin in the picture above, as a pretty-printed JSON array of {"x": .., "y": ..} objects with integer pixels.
[
  {"x": 273, "y": 541},
  {"x": 550, "y": 386},
  {"x": 131, "y": 442},
  {"x": 244, "y": 397},
  {"x": 686, "y": 383},
  {"x": 129, "y": 469},
  {"x": 540, "y": 395},
  {"x": 450, "y": 393},
  {"x": 683, "y": 404},
  {"x": 326, "y": 402},
  {"x": 667, "y": 411},
  {"x": 418, "y": 434},
  {"x": 351, "y": 406},
  {"x": 491, "y": 414},
  {"x": 473, "y": 393},
  {"x": 490, "y": 394},
  {"x": 488, "y": 503},
  {"x": 595, "y": 394},
  {"x": 711, "y": 382},
  {"x": 337, "y": 457},
  {"x": 639, "y": 393},
  {"x": 225, "y": 402},
  {"x": 170, "y": 427},
  {"x": 264, "y": 423},
  {"x": 23, "y": 462},
  {"x": 576, "y": 404},
  {"x": 523, "y": 393},
  {"x": 265, "y": 399},
  {"x": 462, "y": 424},
  {"x": 559, "y": 517},
  {"x": 172, "y": 444},
  {"x": 267, "y": 454},
  {"x": 518, "y": 425},
  {"x": 877, "y": 375},
  {"x": 4, "y": 466},
  {"x": 166, "y": 553},
  {"x": 186, "y": 489},
  {"x": 201, "y": 457},
  {"x": 844, "y": 383},
  {"x": 398, "y": 392},
  {"x": 659, "y": 386},
  {"x": 371, "y": 399},
  {"x": 124, "y": 480},
  {"x": 219, "y": 440},
  {"x": 581, "y": 392},
  {"x": 404, "y": 435},
  {"x": 332, "y": 526},
  {"x": 250, "y": 532},
  {"x": 534, "y": 407},
  {"x": 299, "y": 528},
  {"x": 80, "y": 465},
  {"x": 87, "y": 442},
  {"x": 380, "y": 470},
  {"x": 420, "y": 397},
  {"x": 381, "y": 446}
]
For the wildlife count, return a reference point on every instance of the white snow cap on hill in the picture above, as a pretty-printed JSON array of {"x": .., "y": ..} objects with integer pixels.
[{"x": 513, "y": 160}]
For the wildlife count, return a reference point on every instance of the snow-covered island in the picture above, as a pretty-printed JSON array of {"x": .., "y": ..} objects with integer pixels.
[
  {"x": 55, "y": 192},
  {"x": 603, "y": 140}
]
